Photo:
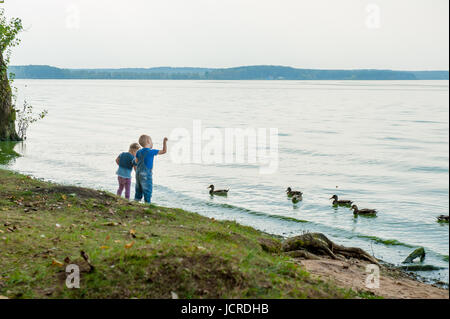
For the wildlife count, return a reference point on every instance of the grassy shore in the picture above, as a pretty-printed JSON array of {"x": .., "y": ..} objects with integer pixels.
[{"x": 135, "y": 250}]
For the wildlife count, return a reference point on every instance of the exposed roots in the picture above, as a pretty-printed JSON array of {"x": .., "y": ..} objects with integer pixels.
[{"x": 312, "y": 244}]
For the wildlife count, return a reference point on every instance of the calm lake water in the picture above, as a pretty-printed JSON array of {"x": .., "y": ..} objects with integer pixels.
[{"x": 383, "y": 144}]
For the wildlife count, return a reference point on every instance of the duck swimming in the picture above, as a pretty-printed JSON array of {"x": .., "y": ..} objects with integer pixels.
[
  {"x": 340, "y": 202},
  {"x": 443, "y": 219},
  {"x": 364, "y": 211},
  {"x": 222, "y": 192},
  {"x": 296, "y": 198},
  {"x": 291, "y": 193}
]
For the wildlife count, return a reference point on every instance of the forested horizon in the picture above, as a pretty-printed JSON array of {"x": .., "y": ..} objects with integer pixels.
[{"x": 262, "y": 72}]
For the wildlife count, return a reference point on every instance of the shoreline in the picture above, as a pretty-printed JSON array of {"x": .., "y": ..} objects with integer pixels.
[
  {"x": 394, "y": 283},
  {"x": 24, "y": 199}
]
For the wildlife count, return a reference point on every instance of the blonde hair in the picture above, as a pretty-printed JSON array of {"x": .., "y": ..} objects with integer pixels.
[
  {"x": 134, "y": 147},
  {"x": 145, "y": 140}
]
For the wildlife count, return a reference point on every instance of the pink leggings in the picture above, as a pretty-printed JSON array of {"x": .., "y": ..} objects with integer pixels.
[{"x": 124, "y": 183}]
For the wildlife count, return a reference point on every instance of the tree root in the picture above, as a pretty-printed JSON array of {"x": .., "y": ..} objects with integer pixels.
[
  {"x": 420, "y": 268},
  {"x": 302, "y": 253},
  {"x": 418, "y": 253},
  {"x": 318, "y": 244}
]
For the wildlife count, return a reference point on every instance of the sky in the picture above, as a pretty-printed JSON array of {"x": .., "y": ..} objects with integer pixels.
[{"x": 321, "y": 34}]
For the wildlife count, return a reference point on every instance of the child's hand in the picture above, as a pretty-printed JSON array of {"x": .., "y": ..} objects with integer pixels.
[{"x": 164, "y": 150}]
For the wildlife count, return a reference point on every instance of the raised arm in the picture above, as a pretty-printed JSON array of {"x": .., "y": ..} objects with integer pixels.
[{"x": 164, "y": 150}]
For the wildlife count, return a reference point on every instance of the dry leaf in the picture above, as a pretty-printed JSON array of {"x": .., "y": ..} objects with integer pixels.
[
  {"x": 174, "y": 295},
  {"x": 3, "y": 297},
  {"x": 129, "y": 245},
  {"x": 57, "y": 263},
  {"x": 117, "y": 241},
  {"x": 104, "y": 247},
  {"x": 64, "y": 197},
  {"x": 107, "y": 237},
  {"x": 110, "y": 224}
]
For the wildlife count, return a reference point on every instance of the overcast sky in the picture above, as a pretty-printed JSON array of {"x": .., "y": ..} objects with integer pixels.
[{"x": 383, "y": 34}]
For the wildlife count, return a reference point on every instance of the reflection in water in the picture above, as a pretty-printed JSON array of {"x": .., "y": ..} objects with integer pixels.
[{"x": 7, "y": 152}]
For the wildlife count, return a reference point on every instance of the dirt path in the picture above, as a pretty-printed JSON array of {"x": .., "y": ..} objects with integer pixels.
[{"x": 392, "y": 284}]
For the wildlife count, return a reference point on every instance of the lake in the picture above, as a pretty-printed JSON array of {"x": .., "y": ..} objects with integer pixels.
[{"x": 383, "y": 144}]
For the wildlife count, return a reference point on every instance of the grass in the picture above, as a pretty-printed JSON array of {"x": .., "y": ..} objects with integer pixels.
[{"x": 137, "y": 251}]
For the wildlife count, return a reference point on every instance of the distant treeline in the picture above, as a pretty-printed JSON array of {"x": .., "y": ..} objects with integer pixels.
[{"x": 263, "y": 72}]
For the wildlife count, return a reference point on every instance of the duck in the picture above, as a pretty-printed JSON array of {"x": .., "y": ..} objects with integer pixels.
[
  {"x": 222, "y": 192},
  {"x": 296, "y": 198},
  {"x": 291, "y": 193},
  {"x": 443, "y": 219},
  {"x": 364, "y": 211},
  {"x": 342, "y": 202}
]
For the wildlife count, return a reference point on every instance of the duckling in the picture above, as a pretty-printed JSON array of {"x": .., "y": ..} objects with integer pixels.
[
  {"x": 296, "y": 198},
  {"x": 222, "y": 192},
  {"x": 364, "y": 211},
  {"x": 341, "y": 202},
  {"x": 443, "y": 219},
  {"x": 291, "y": 193}
]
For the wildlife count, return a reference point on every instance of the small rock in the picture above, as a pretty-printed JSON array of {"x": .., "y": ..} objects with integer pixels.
[{"x": 49, "y": 291}]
